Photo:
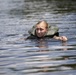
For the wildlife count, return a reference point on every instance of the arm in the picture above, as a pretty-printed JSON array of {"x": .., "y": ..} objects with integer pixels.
[{"x": 62, "y": 38}]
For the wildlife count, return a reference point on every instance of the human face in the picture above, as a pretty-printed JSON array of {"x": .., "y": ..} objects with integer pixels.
[{"x": 41, "y": 30}]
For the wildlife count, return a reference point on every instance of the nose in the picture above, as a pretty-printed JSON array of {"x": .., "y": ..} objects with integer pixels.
[{"x": 39, "y": 31}]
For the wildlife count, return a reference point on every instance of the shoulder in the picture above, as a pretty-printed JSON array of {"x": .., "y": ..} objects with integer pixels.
[
  {"x": 52, "y": 29},
  {"x": 32, "y": 30},
  {"x": 31, "y": 37}
]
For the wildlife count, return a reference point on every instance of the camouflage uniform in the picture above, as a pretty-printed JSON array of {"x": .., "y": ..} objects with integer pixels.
[{"x": 52, "y": 31}]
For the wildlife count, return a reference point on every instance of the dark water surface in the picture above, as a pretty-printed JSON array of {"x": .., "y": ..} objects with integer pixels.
[{"x": 37, "y": 57}]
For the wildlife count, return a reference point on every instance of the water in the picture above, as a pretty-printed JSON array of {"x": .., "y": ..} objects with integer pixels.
[{"x": 37, "y": 57}]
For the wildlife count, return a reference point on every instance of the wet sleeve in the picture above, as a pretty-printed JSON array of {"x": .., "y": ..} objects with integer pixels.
[{"x": 56, "y": 34}]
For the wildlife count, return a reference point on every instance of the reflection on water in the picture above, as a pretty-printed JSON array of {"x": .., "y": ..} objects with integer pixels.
[{"x": 37, "y": 57}]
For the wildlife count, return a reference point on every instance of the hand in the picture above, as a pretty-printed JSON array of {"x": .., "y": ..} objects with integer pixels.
[{"x": 63, "y": 38}]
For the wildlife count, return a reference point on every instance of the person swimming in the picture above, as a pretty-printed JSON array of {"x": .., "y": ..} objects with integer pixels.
[{"x": 42, "y": 30}]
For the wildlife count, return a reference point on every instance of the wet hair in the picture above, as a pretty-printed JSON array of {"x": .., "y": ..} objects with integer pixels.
[{"x": 44, "y": 22}]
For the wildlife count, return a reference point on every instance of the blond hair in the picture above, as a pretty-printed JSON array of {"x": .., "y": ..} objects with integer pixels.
[{"x": 46, "y": 24}]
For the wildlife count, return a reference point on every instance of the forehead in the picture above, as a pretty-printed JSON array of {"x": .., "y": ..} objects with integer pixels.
[{"x": 41, "y": 25}]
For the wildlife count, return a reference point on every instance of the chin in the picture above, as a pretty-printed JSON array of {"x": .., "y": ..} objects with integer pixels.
[{"x": 40, "y": 36}]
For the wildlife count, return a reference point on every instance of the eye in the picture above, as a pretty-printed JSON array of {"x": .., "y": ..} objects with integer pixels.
[
  {"x": 41, "y": 29},
  {"x": 37, "y": 29}
]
